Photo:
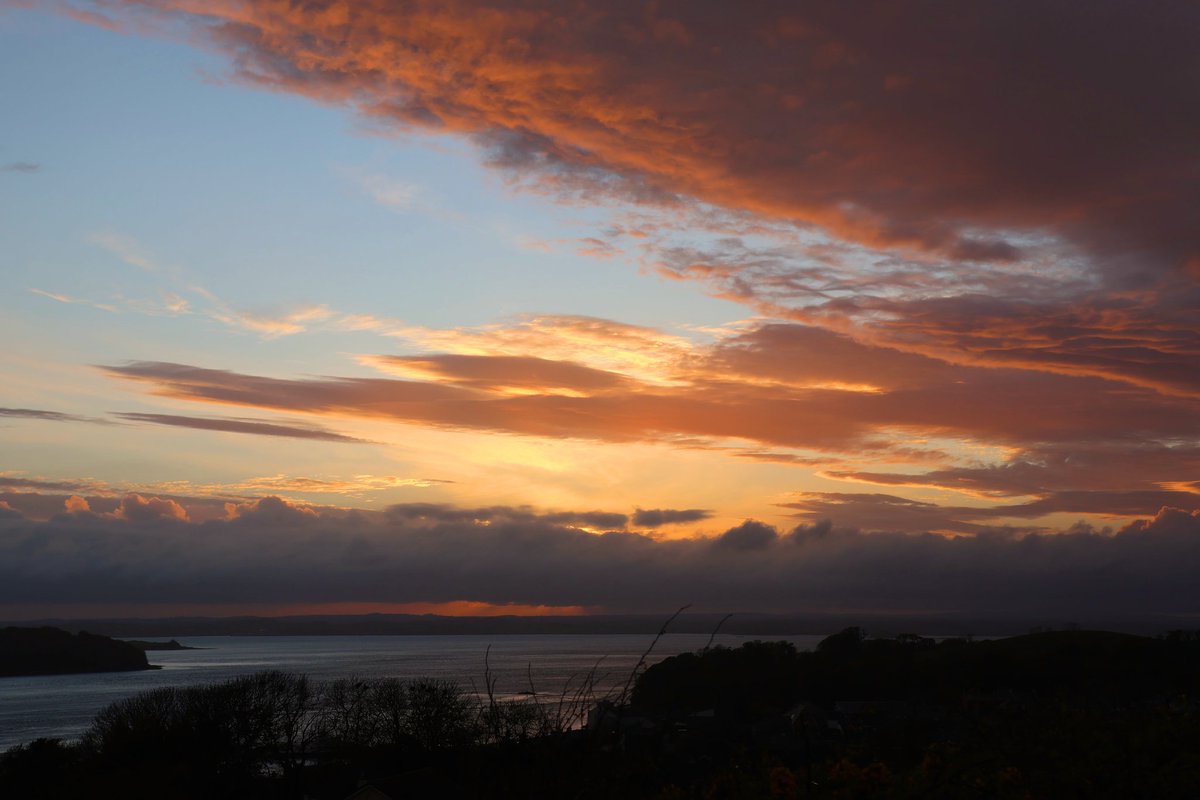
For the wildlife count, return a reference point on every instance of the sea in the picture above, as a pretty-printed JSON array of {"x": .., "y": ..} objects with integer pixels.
[{"x": 544, "y": 665}]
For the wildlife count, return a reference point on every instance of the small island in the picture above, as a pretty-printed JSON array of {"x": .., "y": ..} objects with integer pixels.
[
  {"x": 171, "y": 645},
  {"x": 51, "y": 651}
]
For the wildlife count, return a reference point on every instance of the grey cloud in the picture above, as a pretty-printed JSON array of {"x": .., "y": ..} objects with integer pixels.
[
  {"x": 40, "y": 503},
  {"x": 804, "y": 533},
  {"x": 589, "y": 519},
  {"x": 657, "y": 517},
  {"x": 274, "y": 512},
  {"x": 49, "y": 416},
  {"x": 883, "y": 512},
  {"x": 16, "y": 482},
  {"x": 1130, "y": 471},
  {"x": 21, "y": 166},
  {"x": 750, "y": 535},
  {"x": 876, "y": 512},
  {"x": 1094, "y": 502}
]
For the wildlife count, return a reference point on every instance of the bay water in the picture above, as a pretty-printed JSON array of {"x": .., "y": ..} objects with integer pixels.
[{"x": 543, "y": 664}]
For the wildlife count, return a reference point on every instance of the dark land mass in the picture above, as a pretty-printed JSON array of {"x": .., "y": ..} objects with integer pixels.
[
  {"x": 1062, "y": 714},
  {"x": 747, "y": 624},
  {"x": 50, "y": 651},
  {"x": 171, "y": 645}
]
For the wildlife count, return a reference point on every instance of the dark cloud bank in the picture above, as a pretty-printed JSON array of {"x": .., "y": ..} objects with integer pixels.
[{"x": 145, "y": 551}]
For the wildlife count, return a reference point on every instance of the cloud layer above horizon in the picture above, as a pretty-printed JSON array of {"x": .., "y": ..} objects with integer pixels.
[{"x": 148, "y": 551}]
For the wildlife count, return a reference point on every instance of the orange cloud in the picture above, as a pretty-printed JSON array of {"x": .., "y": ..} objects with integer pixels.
[
  {"x": 873, "y": 124},
  {"x": 76, "y": 504},
  {"x": 635, "y": 351},
  {"x": 504, "y": 374},
  {"x": 770, "y": 385}
]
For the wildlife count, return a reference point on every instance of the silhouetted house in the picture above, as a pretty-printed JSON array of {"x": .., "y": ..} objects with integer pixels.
[
  {"x": 811, "y": 723},
  {"x": 858, "y": 717},
  {"x": 618, "y": 727},
  {"x": 998, "y": 699},
  {"x": 602, "y": 716},
  {"x": 871, "y": 709},
  {"x": 609, "y": 717},
  {"x": 420, "y": 784}
]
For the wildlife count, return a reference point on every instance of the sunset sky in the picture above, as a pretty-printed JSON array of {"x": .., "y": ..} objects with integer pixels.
[{"x": 563, "y": 307}]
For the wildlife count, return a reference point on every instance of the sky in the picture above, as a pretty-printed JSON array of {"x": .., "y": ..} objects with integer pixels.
[{"x": 581, "y": 307}]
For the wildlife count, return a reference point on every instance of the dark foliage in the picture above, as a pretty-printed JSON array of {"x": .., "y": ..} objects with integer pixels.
[{"x": 757, "y": 678}]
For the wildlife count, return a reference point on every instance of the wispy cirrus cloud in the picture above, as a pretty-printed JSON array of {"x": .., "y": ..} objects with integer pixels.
[
  {"x": 273, "y": 325},
  {"x": 396, "y": 195},
  {"x": 268, "y": 324},
  {"x": 126, "y": 248},
  {"x": 69, "y": 300}
]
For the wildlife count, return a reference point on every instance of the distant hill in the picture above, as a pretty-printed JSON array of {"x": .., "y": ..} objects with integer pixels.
[
  {"x": 50, "y": 651},
  {"x": 745, "y": 624}
]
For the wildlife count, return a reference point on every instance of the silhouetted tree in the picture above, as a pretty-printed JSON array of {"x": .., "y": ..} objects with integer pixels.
[{"x": 845, "y": 643}]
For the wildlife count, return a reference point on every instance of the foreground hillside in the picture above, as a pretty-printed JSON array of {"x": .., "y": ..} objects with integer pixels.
[{"x": 1074, "y": 714}]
